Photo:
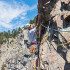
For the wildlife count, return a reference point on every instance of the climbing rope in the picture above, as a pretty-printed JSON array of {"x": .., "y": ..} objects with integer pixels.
[
  {"x": 53, "y": 29},
  {"x": 51, "y": 43},
  {"x": 64, "y": 44}
]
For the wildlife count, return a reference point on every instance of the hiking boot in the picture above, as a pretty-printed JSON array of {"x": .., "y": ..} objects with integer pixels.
[{"x": 34, "y": 67}]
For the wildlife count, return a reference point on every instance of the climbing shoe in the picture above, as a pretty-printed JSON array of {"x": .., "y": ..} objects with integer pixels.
[{"x": 34, "y": 68}]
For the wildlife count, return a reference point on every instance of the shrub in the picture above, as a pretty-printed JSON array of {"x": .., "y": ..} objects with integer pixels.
[{"x": 3, "y": 67}]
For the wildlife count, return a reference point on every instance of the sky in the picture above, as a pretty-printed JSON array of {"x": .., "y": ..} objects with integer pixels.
[{"x": 16, "y": 13}]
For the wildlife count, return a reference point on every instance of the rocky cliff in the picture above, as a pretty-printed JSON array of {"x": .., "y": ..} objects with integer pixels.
[
  {"x": 54, "y": 49},
  {"x": 15, "y": 55},
  {"x": 54, "y": 52}
]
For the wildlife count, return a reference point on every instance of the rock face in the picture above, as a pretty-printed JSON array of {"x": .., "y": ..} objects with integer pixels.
[
  {"x": 52, "y": 56},
  {"x": 68, "y": 56},
  {"x": 16, "y": 56},
  {"x": 49, "y": 57},
  {"x": 54, "y": 52}
]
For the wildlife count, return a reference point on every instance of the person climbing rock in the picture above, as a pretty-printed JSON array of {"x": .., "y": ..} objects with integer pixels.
[{"x": 33, "y": 40}]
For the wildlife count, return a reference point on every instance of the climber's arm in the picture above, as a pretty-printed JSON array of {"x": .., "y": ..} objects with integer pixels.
[{"x": 38, "y": 22}]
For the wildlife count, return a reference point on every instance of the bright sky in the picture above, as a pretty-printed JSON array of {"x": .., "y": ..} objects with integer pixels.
[{"x": 16, "y": 13}]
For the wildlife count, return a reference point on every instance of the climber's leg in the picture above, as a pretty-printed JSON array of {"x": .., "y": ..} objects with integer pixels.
[
  {"x": 36, "y": 55},
  {"x": 35, "y": 62}
]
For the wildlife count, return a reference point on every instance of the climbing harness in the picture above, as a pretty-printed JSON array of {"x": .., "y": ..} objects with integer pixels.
[{"x": 32, "y": 49}]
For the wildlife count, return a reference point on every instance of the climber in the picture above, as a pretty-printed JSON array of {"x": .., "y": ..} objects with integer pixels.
[{"x": 33, "y": 40}]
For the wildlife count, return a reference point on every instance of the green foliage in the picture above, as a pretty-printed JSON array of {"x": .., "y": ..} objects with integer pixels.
[
  {"x": 33, "y": 21},
  {"x": 3, "y": 67},
  {"x": 19, "y": 29},
  {"x": 14, "y": 33},
  {"x": 4, "y": 36}
]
